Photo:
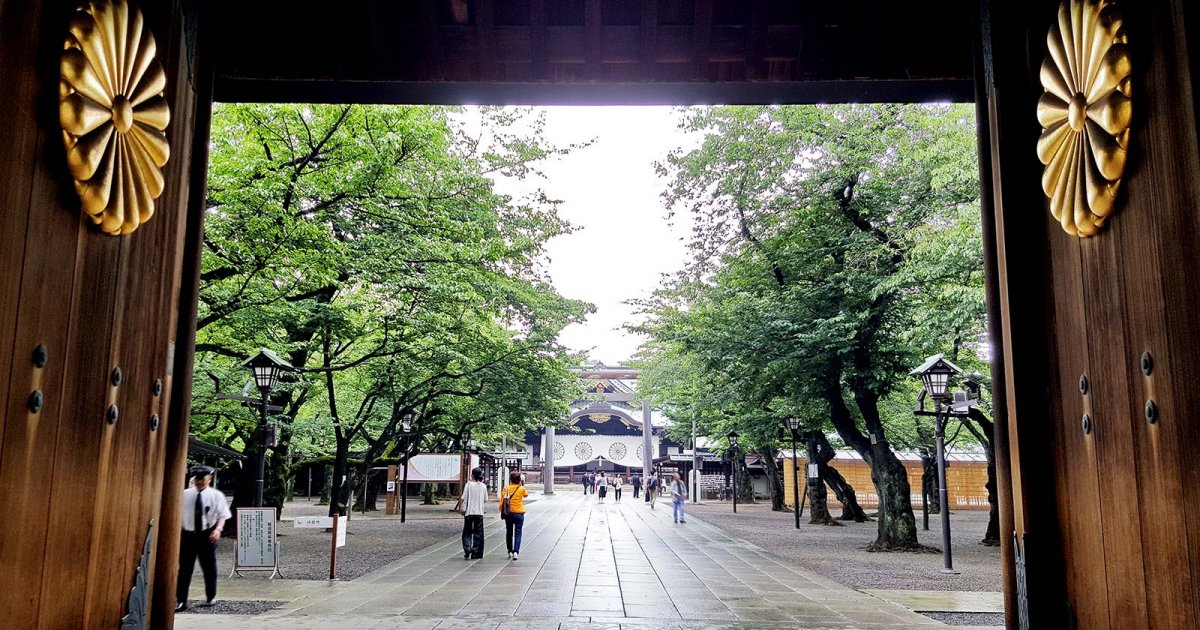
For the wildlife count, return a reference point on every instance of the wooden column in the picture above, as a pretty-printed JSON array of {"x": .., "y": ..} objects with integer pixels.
[
  {"x": 1100, "y": 513},
  {"x": 82, "y": 475}
]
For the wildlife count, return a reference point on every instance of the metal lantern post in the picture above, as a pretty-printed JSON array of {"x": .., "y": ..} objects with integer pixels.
[
  {"x": 733, "y": 447},
  {"x": 406, "y": 435},
  {"x": 267, "y": 366},
  {"x": 793, "y": 424},
  {"x": 935, "y": 374}
]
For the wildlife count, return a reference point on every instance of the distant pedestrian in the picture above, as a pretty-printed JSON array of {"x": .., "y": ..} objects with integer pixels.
[
  {"x": 678, "y": 496},
  {"x": 474, "y": 498},
  {"x": 602, "y": 486},
  {"x": 637, "y": 485},
  {"x": 512, "y": 510},
  {"x": 587, "y": 483},
  {"x": 616, "y": 486},
  {"x": 651, "y": 490},
  {"x": 204, "y": 514},
  {"x": 522, "y": 479}
]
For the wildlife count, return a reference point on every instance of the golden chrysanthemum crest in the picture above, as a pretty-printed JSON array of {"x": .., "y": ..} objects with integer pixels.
[
  {"x": 113, "y": 114},
  {"x": 1085, "y": 114}
]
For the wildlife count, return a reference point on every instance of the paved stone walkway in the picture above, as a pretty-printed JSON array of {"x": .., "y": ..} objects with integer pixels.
[{"x": 582, "y": 565}]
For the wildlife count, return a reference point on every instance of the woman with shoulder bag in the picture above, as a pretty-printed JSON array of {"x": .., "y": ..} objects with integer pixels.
[{"x": 512, "y": 510}]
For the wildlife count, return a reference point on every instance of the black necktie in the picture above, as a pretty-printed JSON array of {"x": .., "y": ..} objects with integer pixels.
[{"x": 198, "y": 523}]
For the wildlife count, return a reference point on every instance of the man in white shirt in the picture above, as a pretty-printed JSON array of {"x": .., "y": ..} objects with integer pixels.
[
  {"x": 204, "y": 514},
  {"x": 602, "y": 486},
  {"x": 474, "y": 498}
]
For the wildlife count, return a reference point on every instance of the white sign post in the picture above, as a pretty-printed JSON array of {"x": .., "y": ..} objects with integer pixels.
[
  {"x": 337, "y": 540},
  {"x": 257, "y": 547}
]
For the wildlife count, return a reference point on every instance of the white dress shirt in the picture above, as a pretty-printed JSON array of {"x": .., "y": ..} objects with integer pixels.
[
  {"x": 474, "y": 498},
  {"x": 212, "y": 502}
]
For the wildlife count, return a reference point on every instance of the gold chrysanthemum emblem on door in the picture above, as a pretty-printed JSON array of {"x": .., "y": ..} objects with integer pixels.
[
  {"x": 113, "y": 114},
  {"x": 1085, "y": 114}
]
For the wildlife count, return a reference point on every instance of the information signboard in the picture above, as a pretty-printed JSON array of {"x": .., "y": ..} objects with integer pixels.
[
  {"x": 343, "y": 525},
  {"x": 256, "y": 538},
  {"x": 435, "y": 468}
]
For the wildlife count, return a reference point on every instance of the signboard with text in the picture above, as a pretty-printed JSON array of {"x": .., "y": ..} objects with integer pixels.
[
  {"x": 256, "y": 538},
  {"x": 343, "y": 525},
  {"x": 435, "y": 468}
]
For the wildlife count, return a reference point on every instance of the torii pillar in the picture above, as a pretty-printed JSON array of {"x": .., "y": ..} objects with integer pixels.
[
  {"x": 647, "y": 455},
  {"x": 548, "y": 460}
]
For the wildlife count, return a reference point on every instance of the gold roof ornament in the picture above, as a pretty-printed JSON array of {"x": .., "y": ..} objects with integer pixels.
[
  {"x": 113, "y": 114},
  {"x": 1085, "y": 114}
]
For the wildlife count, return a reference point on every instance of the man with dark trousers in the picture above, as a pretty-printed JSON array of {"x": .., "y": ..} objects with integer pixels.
[{"x": 204, "y": 514}]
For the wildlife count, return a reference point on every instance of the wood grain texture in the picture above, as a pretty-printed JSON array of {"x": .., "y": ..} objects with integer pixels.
[{"x": 79, "y": 491}]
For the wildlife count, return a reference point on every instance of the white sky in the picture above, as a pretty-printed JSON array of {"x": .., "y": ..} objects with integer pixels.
[{"x": 610, "y": 192}]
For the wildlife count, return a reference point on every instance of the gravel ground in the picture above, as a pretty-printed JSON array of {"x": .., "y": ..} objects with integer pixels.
[
  {"x": 968, "y": 619},
  {"x": 371, "y": 541},
  {"x": 245, "y": 607},
  {"x": 838, "y": 552}
]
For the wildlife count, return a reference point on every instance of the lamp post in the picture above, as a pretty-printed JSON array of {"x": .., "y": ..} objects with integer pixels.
[
  {"x": 733, "y": 447},
  {"x": 793, "y": 424},
  {"x": 406, "y": 435},
  {"x": 267, "y": 366},
  {"x": 935, "y": 374}
]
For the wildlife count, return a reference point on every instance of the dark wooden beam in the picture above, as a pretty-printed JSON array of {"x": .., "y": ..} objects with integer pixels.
[
  {"x": 539, "y": 64},
  {"x": 702, "y": 39},
  {"x": 756, "y": 40},
  {"x": 664, "y": 93},
  {"x": 593, "y": 47},
  {"x": 485, "y": 37},
  {"x": 431, "y": 41},
  {"x": 648, "y": 40}
]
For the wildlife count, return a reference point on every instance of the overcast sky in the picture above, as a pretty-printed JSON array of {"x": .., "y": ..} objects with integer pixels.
[{"x": 610, "y": 192}]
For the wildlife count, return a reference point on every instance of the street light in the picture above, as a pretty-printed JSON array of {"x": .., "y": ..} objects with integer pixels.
[
  {"x": 733, "y": 443},
  {"x": 793, "y": 424},
  {"x": 267, "y": 366},
  {"x": 405, "y": 435},
  {"x": 935, "y": 373}
]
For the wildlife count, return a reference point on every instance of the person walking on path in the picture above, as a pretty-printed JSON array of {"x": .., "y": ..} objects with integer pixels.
[
  {"x": 204, "y": 514},
  {"x": 602, "y": 486},
  {"x": 637, "y": 485},
  {"x": 651, "y": 490},
  {"x": 678, "y": 496},
  {"x": 474, "y": 498},
  {"x": 587, "y": 483},
  {"x": 616, "y": 486},
  {"x": 512, "y": 510}
]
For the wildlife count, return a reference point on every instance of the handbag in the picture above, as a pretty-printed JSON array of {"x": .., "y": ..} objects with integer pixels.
[{"x": 506, "y": 506}]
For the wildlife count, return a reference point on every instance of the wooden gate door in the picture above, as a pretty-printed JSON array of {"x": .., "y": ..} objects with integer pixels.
[
  {"x": 1100, "y": 342},
  {"x": 87, "y": 337}
]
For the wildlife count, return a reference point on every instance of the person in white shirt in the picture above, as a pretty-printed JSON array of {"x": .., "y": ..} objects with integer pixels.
[
  {"x": 602, "y": 486},
  {"x": 474, "y": 498},
  {"x": 204, "y": 514},
  {"x": 616, "y": 486}
]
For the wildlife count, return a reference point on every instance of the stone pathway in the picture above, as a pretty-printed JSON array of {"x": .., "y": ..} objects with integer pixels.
[{"x": 583, "y": 564}]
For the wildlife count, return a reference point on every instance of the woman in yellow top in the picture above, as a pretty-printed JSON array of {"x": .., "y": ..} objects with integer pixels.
[{"x": 515, "y": 494}]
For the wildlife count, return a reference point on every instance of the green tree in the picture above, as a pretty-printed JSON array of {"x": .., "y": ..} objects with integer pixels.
[
  {"x": 369, "y": 247},
  {"x": 806, "y": 220}
]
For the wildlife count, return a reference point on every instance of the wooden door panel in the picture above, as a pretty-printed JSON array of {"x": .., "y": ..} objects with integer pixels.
[
  {"x": 79, "y": 490},
  {"x": 1076, "y": 453},
  {"x": 1113, "y": 433}
]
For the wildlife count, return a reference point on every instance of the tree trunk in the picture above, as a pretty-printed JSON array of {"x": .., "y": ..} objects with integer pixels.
[
  {"x": 929, "y": 482},
  {"x": 427, "y": 490},
  {"x": 817, "y": 496},
  {"x": 991, "y": 537},
  {"x": 745, "y": 487},
  {"x": 851, "y": 510},
  {"x": 774, "y": 479},
  {"x": 339, "y": 487},
  {"x": 326, "y": 486},
  {"x": 897, "y": 525}
]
